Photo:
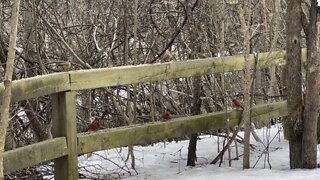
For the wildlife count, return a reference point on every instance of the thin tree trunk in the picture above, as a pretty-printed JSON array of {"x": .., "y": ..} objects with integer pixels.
[
  {"x": 273, "y": 89},
  {"x": 311, "y": 111},
  {"x": 135, "y": 56},
  {"x": 244, "y": 16},
  {"x": 6, "y": 97},
  {"x": 196, "y": 108},
  {"x": 226, "y": 100},
  {"x": 130, "y": 104}
]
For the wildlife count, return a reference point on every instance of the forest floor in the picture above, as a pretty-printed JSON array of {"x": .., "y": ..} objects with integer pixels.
[{"x": 167, "y": 160}]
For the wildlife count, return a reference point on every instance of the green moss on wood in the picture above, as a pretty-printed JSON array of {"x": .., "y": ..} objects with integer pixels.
[
  {"x": 153, "y": 132},
  {"x": 106, "y": 77},
  {"x": 38, "y": 86},
  {"x": 34, "y": 154},
  {"x": 65, "y": 124}
]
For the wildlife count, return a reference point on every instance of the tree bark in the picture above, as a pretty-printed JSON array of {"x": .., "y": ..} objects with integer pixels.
[
  {"x": 196, "y": 109},
  {"x": 6, "y": 97},
  {"x": 294, "y": 83},
  {"x": 311, "y": 111},
  {"x": 244, "y": 17}
]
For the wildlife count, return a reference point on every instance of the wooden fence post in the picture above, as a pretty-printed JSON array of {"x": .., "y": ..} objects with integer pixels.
[{"x": 64, "y": 124}]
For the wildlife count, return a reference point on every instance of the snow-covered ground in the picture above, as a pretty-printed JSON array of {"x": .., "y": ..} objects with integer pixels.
[{"x": 168, "y": 161}]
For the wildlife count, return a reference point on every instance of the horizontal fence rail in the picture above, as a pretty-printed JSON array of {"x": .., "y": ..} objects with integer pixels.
[
  {"x": 106, "y": 77},
  {"x": 153, "y": 132},
  {"x": 38, "y": 86},
  {"x": 34, "y": 154},
  {"x": 135, "y": 135}
]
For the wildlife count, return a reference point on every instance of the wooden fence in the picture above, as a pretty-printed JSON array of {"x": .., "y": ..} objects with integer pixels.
[{"x": 67, "y": 143}]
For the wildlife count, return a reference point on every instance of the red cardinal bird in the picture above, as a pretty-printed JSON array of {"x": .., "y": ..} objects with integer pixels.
[
  {"x": 95, "y": 125},
  {"x": 165, "y": 116},
  {"x": 236, "y": 103}
]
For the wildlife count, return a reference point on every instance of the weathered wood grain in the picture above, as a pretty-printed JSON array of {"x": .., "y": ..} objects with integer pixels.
[
  {"x": 140, "y": 134},
  {"x": 153, "y": 132},
  {"x": 106, "y": 77},
  {"x": 38, "y": 86},
  {"x": 34, "y": 154},
  {"x": 64, "y": 124}
]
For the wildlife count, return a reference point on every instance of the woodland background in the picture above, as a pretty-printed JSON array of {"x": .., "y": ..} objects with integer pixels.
[{"x": 56, "y": 36}]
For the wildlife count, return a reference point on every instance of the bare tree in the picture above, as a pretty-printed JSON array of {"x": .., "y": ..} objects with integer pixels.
[
  {"x": 6, "y": 96},
  {"x": 245, "y": 16},
  {"x": 312, "y": 103},
  {"x": 294, "y": 124}
]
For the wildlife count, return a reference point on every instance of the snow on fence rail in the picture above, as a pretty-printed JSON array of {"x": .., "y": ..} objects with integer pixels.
[{"x": 67, "y": 144}]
